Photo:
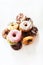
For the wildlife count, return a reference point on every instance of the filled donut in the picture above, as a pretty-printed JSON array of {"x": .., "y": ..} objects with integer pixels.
[
  {"x": 26, "y": 25},
  {"x": 5, "y": 32},
  {"x": 13, "y": 26},
  {"x": 27, "y": 40}
]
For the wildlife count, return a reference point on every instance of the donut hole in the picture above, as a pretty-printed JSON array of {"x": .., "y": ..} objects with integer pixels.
[
  {"x": 25, "y": 24},
  {"x": 12, "y": 25},
  {"x": 6, "y": 32},
  {"x": 14, "y": 35},
  {"x": 30, "y": 40}
]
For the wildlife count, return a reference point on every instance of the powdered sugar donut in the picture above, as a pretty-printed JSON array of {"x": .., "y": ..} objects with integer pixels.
[
  {"x": 14, "y": 36},
  {"x": 26, "y": 25}
]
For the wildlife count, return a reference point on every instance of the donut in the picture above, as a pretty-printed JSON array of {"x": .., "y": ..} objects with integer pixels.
[
  {"x": 5, "y": 32},
  {"x": 27, "y": 40},
  {"x": 20, "y": 17},
  {"x": 26, "y": 25},
  {"x": 13, "y": 26},
  {"x": 33, "y": 31},
  {"x": 14, "y": 36},
  {"x": 17, "y": 46}
]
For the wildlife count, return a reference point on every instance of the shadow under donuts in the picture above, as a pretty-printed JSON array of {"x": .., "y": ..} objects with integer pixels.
[{"x": 31, "y": 49}]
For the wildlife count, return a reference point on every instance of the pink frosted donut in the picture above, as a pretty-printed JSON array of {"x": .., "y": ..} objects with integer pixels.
[{"x": 14, "y": 36}]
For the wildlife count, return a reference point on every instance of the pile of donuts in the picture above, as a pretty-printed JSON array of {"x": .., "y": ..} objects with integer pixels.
[{"x": 20, "y": 32}]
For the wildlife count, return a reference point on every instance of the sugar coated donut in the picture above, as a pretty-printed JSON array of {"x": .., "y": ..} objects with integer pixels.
[
  {"x": 14, "y": 36},
  {"x": 5, "y": 33},
  {"x": 13, "y": 26},
  {"x": 27, "y": 40},
  {"x": 26, "y": 25},
  {"x": 20, "y": 17}
]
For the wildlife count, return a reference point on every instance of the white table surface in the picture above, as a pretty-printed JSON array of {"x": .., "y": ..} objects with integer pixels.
[{"x": 28, "y": 55}]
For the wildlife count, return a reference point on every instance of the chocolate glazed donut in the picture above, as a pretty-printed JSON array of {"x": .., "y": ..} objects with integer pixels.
[
  {"x": 33, "y": 31},
  {"x": 17, "y": 46}
]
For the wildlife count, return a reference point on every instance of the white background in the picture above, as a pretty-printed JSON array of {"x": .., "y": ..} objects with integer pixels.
[{"x": 28, "y": 55}]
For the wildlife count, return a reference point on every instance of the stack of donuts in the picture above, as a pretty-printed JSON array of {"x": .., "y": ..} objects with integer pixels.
[{"x": 20, "y": 32}]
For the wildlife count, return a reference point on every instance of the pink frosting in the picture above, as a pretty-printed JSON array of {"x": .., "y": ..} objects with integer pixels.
[{"x": 17, "y": 38}]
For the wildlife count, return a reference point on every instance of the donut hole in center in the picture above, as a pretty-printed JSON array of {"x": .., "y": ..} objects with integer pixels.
[
  {"x": 14, "y": 35},
  {"x": 25, "y": 24},
  {"x": 30, "y": 40},
  {"x": 12, "y": 25},
  {"x": 6, "y": 32}
]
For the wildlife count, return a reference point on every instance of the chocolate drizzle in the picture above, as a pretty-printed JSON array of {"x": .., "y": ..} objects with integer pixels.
[{"x": 27, "y": 19}]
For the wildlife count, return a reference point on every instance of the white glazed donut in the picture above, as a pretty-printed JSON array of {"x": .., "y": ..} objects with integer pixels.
[{"x": 26, "y": 25}]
